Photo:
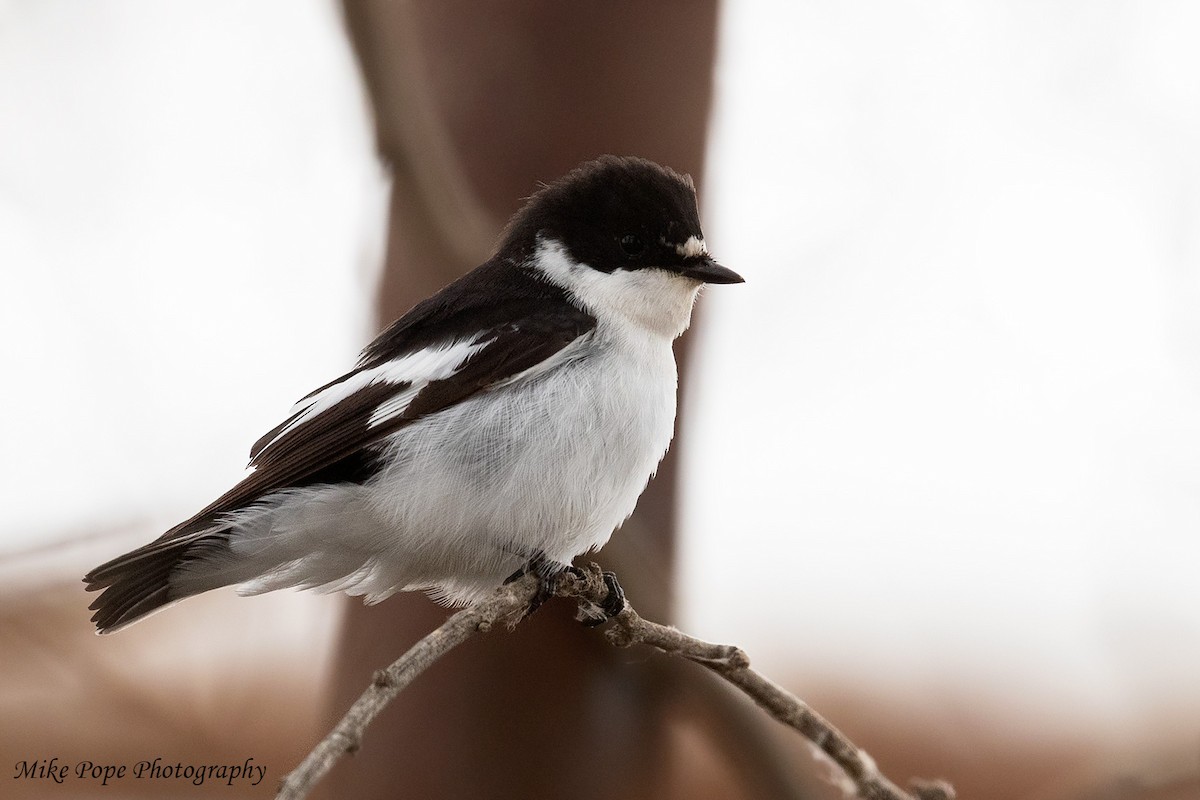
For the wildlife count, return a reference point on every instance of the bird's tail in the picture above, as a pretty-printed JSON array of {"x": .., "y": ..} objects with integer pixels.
[{"x": 139, "y": 582}]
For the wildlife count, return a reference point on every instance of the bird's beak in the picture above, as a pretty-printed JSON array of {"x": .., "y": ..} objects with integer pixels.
[{"x": 709, "y": 271}]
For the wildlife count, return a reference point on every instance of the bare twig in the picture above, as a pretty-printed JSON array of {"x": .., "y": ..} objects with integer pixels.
[
  {"x": 764, "y": 764},
  {"x": 508, "y": 605}
]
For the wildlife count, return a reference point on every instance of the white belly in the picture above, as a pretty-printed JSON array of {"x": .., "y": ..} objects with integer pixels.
[
  {"x": 550, "y": 465},
  {"x": 553, "y": 465}
]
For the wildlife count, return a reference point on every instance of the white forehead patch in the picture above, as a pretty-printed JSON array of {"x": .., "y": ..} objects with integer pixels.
[{"x": 693, "y": 247}]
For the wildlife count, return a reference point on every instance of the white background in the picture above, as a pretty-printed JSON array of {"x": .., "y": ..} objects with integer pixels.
[
  {"x": 952, "y": 420},
  {"x": 946, "y": 435}
]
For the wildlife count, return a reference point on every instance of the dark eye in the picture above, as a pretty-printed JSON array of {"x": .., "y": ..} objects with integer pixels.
[{"x": 632, "y": 245}]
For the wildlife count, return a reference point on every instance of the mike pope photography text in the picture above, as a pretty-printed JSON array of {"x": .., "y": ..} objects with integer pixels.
[{"x": 156, "y": 769}]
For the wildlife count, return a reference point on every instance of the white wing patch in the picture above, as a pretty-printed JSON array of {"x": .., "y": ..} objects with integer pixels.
[
  {"x": 433, "y": 363},
  {"x": 395, "y": 406}
]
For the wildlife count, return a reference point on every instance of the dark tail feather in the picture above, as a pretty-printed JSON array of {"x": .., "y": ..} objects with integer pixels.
[{"x": 139, "y": 582}]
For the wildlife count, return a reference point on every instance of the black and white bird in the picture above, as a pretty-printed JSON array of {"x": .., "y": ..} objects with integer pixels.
[{"x": 514, "y": 416}]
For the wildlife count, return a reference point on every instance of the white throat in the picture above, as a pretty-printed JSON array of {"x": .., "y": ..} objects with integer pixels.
[{"x": 655, "y": 300}]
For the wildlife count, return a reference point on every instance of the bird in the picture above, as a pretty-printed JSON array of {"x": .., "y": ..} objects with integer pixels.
[{"x": 508, "y": 422}]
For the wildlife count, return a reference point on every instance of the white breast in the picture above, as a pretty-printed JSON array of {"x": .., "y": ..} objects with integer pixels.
[{"x": 550, "y": 465}]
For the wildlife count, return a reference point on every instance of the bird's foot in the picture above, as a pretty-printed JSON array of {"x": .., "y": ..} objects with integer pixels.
[
  {"x": 597, "y": 614},
  {"x": 614, "y": 603},
  {"x": 548, "y": 573}
]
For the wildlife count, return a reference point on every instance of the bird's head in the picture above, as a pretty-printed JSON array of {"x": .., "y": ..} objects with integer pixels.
[{"x": 623, "y": 236}]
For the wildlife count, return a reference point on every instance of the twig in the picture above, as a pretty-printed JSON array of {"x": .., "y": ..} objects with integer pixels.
[
  {"x": 732, "y": 664},
  {"x": 764, "y": 764},
  {"x": 509, "y": 604}
]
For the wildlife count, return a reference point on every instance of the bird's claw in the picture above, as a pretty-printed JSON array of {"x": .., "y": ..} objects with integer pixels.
[
  {"x": 612, "y": 605},
  {"x": 550, "y": 574}
]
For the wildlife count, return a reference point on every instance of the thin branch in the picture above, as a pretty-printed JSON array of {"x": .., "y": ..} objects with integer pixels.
[
  {"x": 509, "y": 604},
  {"x": 764, "y": 764}
]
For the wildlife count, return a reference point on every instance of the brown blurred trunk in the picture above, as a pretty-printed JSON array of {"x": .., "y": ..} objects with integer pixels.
[{"x": 475, "y": 103}]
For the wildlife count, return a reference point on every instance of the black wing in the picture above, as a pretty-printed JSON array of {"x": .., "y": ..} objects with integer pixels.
[{"x": 489, "y": 327}]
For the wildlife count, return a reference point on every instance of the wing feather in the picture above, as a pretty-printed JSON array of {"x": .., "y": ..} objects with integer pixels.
[
  {"x": 492, "y": 327},
  {"x": 320, "y": 434}
]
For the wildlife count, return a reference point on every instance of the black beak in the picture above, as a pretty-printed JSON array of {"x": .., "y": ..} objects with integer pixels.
[{"x": 709, "y": 271}]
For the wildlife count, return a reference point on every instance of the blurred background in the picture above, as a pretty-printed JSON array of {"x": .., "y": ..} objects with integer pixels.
[{"x": 938, "y": 468}]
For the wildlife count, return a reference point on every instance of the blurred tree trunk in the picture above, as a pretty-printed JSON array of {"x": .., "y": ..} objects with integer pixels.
[{"x": 475, "y": 103}]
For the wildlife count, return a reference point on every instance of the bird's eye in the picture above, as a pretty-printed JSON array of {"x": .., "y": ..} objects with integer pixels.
[{"x": 632, "y": 245}]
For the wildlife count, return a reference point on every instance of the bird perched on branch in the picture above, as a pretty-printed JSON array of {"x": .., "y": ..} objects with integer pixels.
[{"x": 511, "y": 419}]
